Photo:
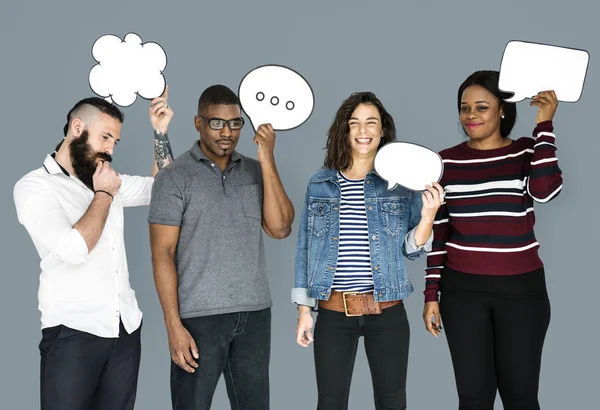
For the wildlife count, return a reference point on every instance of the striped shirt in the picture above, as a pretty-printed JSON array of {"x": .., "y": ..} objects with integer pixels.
[
  {"x": 353, "y": 269},
  {"x": 485, "y": 225}
]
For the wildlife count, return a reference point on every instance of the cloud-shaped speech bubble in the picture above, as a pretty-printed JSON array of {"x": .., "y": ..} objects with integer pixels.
[
  {"x": 277, "y": 95},
  {"x": 409, "y": 165},
  {"x": 528, "y": 68},
  {"x": 127, "y": 68}
]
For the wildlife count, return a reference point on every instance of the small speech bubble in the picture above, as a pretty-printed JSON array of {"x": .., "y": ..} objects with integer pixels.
[
  {"x": 277, "y": 95},
  {"x": 127, "y": 68},
  {"x": 528, "y": 68},
  {"x": 409, "y": 165}
]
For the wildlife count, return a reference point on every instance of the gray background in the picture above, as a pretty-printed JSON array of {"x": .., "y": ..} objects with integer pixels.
[{"x": 413, "y": 56}]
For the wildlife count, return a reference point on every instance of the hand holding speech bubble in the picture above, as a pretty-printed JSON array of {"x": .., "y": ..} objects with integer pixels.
[
  {"x": 127, "y": 68},
  {"x": 277, "y": 95},
  {"x": 409, "y": 165},
  {"x": 529, "y": 68}
]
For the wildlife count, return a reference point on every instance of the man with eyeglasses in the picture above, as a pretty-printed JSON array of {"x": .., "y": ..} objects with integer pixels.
[{"x": 207, "y": 214}]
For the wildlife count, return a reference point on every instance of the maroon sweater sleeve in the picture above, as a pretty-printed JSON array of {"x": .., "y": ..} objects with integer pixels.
[
  {"x": 436, "y": 258},
  {"x": 545, "y": 178}
]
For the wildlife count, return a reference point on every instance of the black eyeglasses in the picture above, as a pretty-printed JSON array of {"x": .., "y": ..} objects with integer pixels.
[{"x": 219, "y": 123}]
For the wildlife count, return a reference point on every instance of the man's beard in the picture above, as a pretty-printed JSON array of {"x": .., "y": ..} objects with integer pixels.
[{"x": 83, "y": 159}]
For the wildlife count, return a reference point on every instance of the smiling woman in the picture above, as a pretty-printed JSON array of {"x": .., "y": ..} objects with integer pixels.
[
  {"x": 353, "y": 236},
  {"x": 485, "y": 258}
]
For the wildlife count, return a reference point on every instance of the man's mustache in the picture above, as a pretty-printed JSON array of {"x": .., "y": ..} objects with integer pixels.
[{"x": 104, "y": 157}]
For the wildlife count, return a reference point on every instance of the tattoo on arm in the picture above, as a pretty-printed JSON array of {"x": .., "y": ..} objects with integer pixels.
[{"x": 162, "y": 149}]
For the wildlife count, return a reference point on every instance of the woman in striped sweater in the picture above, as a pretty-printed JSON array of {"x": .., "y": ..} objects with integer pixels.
[
  {"x": 484, "y": 259},
  {"x": 353, "y": 236}
]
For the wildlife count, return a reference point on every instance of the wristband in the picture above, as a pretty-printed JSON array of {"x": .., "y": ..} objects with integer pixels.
[{"x": 107, "y": 193}]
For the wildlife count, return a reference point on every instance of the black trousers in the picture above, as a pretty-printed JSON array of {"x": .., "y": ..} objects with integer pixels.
[
  {"x": 386, "y": 339},
  {"x": 80, "y": 371},
  {"x": 495, "y": 327}
]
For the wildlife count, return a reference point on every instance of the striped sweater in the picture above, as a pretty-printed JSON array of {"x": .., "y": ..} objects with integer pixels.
[{"x": 485, "y": 225}]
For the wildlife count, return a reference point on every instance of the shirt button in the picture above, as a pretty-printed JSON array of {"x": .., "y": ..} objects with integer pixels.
[
  {"x": 376, "y": 267},
  {"x": 370, "y": 208},
  {"x": 368, "y": 182},
  {"x": 335, "y": 209},
  {"x": 334, "y": 238},
  {"x": 212, "y": 165},
  {"x": 374, "y": 237}
]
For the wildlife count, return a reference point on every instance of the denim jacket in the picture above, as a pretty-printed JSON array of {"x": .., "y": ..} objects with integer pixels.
[{"x": 391, "y": 219}]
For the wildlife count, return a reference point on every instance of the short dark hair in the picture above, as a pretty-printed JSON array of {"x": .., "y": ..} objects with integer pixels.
[
  {"x": 339, "y": 153},
  {"x": 100, "y": 104},
  {"x": 217, "y": 95},
  {"x": 488, "y": 79}
]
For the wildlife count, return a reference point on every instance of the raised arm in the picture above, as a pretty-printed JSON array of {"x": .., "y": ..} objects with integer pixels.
[
  {"x": 278, "y": 211},
  {"x": 160, "y": 117},
  {"x": 545, "y": 180}
]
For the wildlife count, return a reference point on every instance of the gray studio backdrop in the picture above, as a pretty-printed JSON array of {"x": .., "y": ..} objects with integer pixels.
[{"x": 412, "y": 55}]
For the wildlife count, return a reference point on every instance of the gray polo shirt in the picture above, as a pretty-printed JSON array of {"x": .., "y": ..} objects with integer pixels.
[{"x": 220, "y": 259}]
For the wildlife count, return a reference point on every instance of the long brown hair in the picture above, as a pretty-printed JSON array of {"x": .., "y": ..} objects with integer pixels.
[{"x": 339, "y": 154}]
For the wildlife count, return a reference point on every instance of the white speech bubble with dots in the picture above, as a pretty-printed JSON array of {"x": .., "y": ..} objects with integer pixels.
[
  {"x": 276, "y": 95},
  {"x": 409, "y": 165},
  {"x": 127, "y": 68},
  {"x": 529, "y": 68}
]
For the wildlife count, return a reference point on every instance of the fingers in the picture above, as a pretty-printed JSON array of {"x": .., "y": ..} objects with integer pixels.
[
  {"x": 265, "y": 131},
  {"x": 431, "y": 318},
  {"x": 181, "y": 361},
  {"x": 428, "y": 198},
  {"x": 194, "y": 349},
  {"x": 434, "y": 195},
  {"x": 304, "y": 331},
  {"x": 184, "y": 356},
  {"x": 438, "y": 188},
  {"x": 98, "y": 168},
  {"x": 543, "y": 98},
  {"x": 158, "y": 107}
]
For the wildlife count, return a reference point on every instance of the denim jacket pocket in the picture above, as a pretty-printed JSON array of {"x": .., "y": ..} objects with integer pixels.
[
  {"x": 392, "y": 213},
  {"x": 318, "y": 217}
]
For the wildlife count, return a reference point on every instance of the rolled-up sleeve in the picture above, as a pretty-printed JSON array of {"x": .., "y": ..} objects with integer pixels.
[
  {"x": 410, "y": 243},
  {"x": 39, "y": 211},
  {"x": 135, "y": 190}
]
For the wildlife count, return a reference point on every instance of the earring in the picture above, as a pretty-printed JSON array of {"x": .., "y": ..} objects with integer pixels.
[{"x": 502, "y": 116}]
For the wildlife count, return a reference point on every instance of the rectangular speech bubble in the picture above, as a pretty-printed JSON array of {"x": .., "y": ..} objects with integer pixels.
[{"x": 528, "y": 68}]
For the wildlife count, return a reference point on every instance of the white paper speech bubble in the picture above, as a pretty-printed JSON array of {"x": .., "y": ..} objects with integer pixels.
[
  {"x": 409, "y": 165},
  {"x": 528, "y": 68},
  {"x": 277, "y": 95},
  {"x": 127, "y": 68}
]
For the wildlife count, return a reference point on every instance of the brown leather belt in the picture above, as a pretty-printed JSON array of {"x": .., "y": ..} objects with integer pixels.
[{"x": 355, "y": 304}]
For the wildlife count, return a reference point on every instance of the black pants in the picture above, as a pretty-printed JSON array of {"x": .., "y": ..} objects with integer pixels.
[
  {"x": 495, "y": 337},
  {"x": 386, "y": 344},
  {"x": 237, "y": 345},
  {"x": 80, "y": 371}
]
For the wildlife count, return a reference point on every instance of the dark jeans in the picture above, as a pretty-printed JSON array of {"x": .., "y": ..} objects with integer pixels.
[
  {"x": 496, "y": 340},
  {"x": 80, "y": 371},
  {"x": 237, "y": 345},
  {"x": 386, "y": 339}
]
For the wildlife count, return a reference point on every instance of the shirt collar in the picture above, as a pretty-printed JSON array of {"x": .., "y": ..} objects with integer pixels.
[
  {"x": 52, "y": 167},
  {"x": 198, "y": 154}
]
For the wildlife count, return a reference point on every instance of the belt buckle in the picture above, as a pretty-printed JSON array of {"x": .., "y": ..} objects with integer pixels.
[{"x": 346, "y": 304}]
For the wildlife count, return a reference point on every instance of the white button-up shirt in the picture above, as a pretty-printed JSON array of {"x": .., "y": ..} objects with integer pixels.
[{"x": 87, "y": 291}]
